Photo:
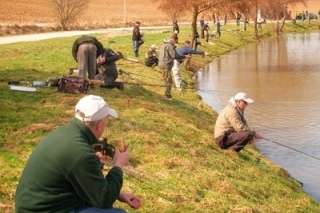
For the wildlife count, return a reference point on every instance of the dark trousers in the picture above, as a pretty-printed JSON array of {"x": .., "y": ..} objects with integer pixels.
[{"x": 234, "y": 141}]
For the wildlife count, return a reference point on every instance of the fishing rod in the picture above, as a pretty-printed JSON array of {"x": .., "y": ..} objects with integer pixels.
[
  {"x": 143, "y": 177},
  {"x": 291, "y": 148}
]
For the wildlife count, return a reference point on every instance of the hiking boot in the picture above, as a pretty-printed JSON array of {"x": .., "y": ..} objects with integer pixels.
[{"x": 168, "y": 97}]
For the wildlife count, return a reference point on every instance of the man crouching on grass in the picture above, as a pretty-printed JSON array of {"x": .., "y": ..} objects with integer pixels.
[
  {"x": 63, "y": 174},
  {"x": 231, "y": 130}
]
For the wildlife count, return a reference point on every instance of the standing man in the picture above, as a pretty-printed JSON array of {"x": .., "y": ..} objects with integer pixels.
[
  {"x": 185, "y": 51},
  {"x": 85, "y": 51},
  {"x": 231, "y": 129},
  {"x": 176, "y": 27},
  {"x": 63, "y": 174},
  {"x": 218, "y": 33},
  {"x": 151, "y": 58},
  {"x": 202, "y": 27},
  {"x": 137, "y": 38},
  {"x": 206, "y": 32},
  {"x": 167, "y": 54}
]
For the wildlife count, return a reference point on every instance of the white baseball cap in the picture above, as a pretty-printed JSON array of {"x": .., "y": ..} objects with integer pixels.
[
  {"x": 243, "y": 96},
  {"x": 93, "y": 108},
  {"x": 154, "y": 46}
]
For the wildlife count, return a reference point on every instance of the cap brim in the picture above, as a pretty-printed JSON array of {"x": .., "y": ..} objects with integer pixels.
[
  {"x": 113, "y": 113},
  {"x": 248, "y": 100}
]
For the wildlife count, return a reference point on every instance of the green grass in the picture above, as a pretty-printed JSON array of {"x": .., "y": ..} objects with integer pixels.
[{"x": 177, "y": 165}]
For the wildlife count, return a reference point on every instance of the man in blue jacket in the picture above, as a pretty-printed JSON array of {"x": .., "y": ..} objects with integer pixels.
[
  {"x": 185, "y": 50},
  {"x": 63, "y": 174}
]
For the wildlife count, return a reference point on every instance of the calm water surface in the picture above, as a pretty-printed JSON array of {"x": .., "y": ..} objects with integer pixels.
[{"x": 282, "y": 76}]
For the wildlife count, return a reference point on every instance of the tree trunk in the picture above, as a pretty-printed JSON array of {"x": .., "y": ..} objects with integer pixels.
[
  {"x": 195, "y": 14},
  {"x": 283, "y": 20},
  {"x": 255, "y": 31}
]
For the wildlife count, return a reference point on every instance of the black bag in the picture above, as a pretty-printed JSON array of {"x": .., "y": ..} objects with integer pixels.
[{"x": 73, "y": 84}]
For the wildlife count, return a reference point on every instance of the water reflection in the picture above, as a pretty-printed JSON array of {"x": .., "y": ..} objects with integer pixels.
[{"x": 282, "y": 76}]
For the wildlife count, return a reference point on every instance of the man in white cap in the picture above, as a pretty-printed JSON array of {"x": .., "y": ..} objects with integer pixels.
[
  {"x": 151, "y": 58},
  {"x": 63, "y": 174},
  {"x": 231, "y": 129}
]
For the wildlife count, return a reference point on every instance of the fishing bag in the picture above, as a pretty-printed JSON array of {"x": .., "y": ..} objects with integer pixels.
[{"x": 73, "y": 84}]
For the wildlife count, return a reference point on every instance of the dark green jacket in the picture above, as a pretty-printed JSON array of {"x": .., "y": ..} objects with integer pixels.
[
  {"x": 86, "y": 39},
  {"x": 63, "y": 173}
]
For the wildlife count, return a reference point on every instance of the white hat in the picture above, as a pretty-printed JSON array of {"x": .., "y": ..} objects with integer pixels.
[
  {"x": 242, "y": 96},
  {"x": 154, "y": 46},
  {"x": 94, "y": 108}
]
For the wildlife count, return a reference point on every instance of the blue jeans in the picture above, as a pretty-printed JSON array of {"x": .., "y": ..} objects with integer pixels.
[{"x": 90, "y": 209}]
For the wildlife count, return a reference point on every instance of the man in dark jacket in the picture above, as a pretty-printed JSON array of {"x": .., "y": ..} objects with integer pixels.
[
  {"x": 85, "y": 51},
  {"x": 137, "y": 38},
  {"x": 107, "y": 68},
  {"x": 185, "y": 50},
  {"x": 63, "y": 174},
  {"x": 176, "y": 27}
]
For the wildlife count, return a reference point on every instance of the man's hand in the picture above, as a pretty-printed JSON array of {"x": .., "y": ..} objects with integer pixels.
[
  {"x": 101, "y": 59},
  {"x": 121, "y": 158},
  {"x": 187, "y": 56},
  {"x": 130, "y": 199},
  {"x": 257, "y": 136},
  {"x": 119, "y": 54}
]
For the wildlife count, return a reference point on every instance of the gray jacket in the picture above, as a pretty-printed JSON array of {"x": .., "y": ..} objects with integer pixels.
[{"x": 167, "y": 54}]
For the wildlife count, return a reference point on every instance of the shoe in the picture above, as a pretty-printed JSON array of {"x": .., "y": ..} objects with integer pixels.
[
  {"x": 153, "y": 65},
  {"x": 168, "y": 97}
]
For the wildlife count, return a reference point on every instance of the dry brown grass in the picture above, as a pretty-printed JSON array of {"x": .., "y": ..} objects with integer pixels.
[
  {"x": 34, "y": 16},
  {"x": 29, "y": 12},
  {"x": 312, "y": 6}
]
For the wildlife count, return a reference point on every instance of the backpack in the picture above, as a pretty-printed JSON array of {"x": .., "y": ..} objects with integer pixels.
[{"x": 73, "y": 84}]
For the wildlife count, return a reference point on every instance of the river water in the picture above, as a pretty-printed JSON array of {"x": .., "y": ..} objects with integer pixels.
[{"x": 282, "y": 76}]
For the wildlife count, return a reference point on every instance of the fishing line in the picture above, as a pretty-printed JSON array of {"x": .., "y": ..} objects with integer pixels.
[
  {"x": 143, "y": 177},
  {"x": 291, "y": 148}
]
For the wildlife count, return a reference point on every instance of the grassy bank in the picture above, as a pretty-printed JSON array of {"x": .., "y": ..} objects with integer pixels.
[{"x": 177, "y": 166}]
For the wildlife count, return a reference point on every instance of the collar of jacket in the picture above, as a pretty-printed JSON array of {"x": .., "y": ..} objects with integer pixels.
[{"x": 88, "y": 133}]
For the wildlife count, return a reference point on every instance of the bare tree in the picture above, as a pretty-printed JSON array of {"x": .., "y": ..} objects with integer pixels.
[
  {"x": 172, "y": 10},
  {"x": 67, "y": 11},
  {"x": 195, "y": 7}
]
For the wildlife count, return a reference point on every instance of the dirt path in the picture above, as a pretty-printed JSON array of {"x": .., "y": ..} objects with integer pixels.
[{"x": 42, "y": 36}]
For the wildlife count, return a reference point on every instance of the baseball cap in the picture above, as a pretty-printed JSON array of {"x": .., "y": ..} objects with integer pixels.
[
  {"x": 93, "y": 108},
  {"x": 242, "y": 96},
  {"x": 154, "y": 46}
]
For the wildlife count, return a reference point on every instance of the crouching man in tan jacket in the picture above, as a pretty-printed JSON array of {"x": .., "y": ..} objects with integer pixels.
[{"x": 231, "y": 129}]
